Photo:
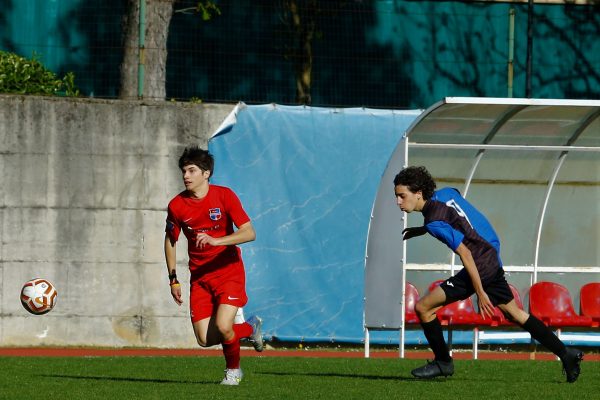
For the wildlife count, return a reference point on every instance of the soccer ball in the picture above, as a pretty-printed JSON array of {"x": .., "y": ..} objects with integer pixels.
[{"x": 38, "y": 296}]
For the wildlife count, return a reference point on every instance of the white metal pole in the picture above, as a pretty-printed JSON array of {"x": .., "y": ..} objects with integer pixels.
[
  {"x": 367, "y": 344},
  {"x": 403, "y": 264}
]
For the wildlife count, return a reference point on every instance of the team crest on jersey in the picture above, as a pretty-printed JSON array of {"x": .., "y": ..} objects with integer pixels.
[{"x": 214, "y": 214}]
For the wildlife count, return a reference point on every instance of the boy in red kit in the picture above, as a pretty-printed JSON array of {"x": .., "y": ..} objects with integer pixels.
[{"x": 206, "y": 214}]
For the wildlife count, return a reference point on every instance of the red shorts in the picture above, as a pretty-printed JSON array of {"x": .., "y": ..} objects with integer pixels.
[{"x": 226, "y": 285}]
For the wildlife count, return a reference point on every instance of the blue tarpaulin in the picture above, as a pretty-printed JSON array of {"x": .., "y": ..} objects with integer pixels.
[{"x": 307, "y": 178}]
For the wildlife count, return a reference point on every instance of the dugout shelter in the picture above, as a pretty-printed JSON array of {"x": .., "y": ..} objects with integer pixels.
[{"x": 532, "y": 166}]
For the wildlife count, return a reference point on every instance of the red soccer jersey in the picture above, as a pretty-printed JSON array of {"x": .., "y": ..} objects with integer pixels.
[{"x": 214, "y": 214}]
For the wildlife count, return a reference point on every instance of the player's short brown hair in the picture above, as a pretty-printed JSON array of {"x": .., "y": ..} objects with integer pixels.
[{"x": 198, "y": 157}]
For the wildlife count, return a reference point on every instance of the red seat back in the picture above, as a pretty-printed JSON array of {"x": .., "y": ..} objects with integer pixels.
[
  {"x": 435, "y": 284},
  {"x": 589, "y": 299},
  {"x": 551, "y": 302},
  {"x": 517, "y": 296},
  {"x": 547, "y": 299},
  {"x": 412, "y": 296}
]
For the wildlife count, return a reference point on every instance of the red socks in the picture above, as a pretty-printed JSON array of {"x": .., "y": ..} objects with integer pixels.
[
  {"x": 231, "y": 348},
  {"x": 231, "y": 351},
  {"x": 242, "y": 330}
]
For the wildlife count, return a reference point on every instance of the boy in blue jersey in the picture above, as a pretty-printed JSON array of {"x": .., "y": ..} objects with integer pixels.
[{"x": 456, "y": 223}]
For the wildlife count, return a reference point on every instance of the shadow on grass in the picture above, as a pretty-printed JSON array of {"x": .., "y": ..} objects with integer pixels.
[
  {"x": 359, "y": 376},
  {"x": 122, "y": 379},
  {"x": 405, "y": 378}
]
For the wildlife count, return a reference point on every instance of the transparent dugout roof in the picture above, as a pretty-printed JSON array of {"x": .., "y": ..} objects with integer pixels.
[{"x": 507, "y": 121}]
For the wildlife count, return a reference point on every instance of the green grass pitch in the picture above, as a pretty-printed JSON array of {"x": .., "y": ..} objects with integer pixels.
[{"x": 285, "y": 378}]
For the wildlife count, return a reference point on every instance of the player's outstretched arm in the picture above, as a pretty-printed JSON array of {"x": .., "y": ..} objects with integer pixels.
[{"x": 408, "y": 233}]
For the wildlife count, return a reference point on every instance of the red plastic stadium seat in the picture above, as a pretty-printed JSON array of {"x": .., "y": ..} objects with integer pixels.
[
  {"x": 412, "y": 296},
  {"x": 589, "y": 302},
  {"x": 461, "y": 312},
  {"x": 551, "y": 303},
  {"x": 517, "y": 296}
]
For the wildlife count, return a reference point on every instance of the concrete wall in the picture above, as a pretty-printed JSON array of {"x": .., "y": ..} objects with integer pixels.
[{"x": 83, "y": 193}]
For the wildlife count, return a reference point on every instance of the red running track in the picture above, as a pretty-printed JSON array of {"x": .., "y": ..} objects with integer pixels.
[{"x": 153, "y": 352}]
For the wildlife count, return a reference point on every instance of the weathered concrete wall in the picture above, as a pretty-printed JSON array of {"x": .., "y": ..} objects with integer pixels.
[{"x": 83, "y": 193}]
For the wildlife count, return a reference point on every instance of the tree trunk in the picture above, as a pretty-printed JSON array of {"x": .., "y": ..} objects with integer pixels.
[
  {"x": 154, "y": 53},
  {"x": 304, "y": 23}
]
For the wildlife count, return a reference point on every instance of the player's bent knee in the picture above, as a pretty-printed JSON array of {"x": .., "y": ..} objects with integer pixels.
[
  {"x": 422, "y": 311},
  {"x": 513, "y": 313},
  {"x": 227, "y": 334}
]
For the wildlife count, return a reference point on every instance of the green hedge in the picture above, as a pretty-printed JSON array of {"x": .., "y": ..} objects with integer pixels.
[{"x": 28, "y": 76}]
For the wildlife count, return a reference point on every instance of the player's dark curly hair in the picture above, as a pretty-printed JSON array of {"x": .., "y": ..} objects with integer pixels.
[
  {"x": 198, "y": 157},
  {"x": 415, "y": 179}
]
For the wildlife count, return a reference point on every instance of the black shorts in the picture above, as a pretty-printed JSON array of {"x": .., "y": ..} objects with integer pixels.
[{"x": 460, "y": 287}]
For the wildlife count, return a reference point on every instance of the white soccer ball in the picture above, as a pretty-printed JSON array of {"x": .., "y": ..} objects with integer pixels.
[{"x": 38, "y": 296}]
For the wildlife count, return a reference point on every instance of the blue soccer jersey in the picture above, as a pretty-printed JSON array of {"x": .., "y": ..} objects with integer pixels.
[{"x": 452, "y": 220}]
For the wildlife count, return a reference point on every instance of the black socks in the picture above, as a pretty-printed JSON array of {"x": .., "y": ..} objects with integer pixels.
[
  {"x": 545, "y": 336},
  {"x": 435, "y": 337},
  {"x": 540, "y": 332}
]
